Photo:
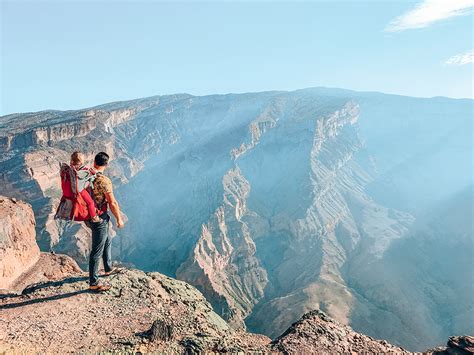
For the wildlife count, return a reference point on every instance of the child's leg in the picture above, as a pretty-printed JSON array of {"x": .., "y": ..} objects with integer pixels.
[{"x": 90, "y": 203}]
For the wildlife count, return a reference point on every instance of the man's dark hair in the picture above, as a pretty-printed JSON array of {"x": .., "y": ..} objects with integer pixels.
[{"x": 101, "y": 159}]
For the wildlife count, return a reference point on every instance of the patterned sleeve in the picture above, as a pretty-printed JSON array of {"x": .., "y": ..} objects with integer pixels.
[{"x": 107, "y": 184}]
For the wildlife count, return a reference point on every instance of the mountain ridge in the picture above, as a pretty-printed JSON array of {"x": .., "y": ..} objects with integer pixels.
[{"x": 321, "y": 88}]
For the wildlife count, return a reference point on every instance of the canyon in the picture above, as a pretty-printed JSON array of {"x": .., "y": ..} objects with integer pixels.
[
  {"x": 277, "y": 203},
  {"x": 48, "y": 309}
]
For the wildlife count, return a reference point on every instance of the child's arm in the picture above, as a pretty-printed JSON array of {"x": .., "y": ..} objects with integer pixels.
[{"x": 90, "y": 204}]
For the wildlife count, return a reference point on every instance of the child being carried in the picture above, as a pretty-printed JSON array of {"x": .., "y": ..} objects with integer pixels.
[
  {"x": 76, "y": 180},
  {"x": 77, "y": 162}
]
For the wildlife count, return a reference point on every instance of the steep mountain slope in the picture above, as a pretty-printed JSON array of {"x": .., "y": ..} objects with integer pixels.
[{"x": 272, "y": 204}]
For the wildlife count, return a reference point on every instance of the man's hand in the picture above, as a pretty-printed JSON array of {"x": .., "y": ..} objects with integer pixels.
[{"x": 120, "y": 224}]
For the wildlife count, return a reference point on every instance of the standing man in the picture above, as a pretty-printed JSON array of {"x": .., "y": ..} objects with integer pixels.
[{"x": 101, "y": 241}]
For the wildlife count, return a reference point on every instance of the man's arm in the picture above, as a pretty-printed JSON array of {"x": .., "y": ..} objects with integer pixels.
[{"x": 115, "y": 208}]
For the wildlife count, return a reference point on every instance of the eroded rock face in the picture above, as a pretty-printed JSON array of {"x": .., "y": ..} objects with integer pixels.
[
  {"x": 224, "y": 265},
  {"x": 18, "y": 248}
]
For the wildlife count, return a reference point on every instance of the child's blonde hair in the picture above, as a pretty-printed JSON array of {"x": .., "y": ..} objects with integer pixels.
[{"x": 77, "y": 158}]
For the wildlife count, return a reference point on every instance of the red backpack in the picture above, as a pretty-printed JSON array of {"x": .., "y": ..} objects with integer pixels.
[{"x": 72, "y": 206}]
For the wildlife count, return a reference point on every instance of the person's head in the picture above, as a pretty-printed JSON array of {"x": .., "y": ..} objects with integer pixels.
[
  {"x": 101, "y": 160},
  {"x": 77, "y": 160}
]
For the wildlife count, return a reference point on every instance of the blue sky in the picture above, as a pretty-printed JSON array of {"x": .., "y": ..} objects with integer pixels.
[{"x": 68, "y": 55}]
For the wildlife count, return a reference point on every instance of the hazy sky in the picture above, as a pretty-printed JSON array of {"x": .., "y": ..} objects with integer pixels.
[{"x": 66, "y": 55}]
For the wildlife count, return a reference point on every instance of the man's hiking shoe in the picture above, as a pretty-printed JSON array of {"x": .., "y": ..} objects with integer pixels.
[
  {"x": 99, "y": 288},
  {"x": 114, "y": 271}
]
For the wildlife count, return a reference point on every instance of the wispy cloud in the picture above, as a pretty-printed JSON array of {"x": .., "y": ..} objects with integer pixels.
[
  {"x": 461, "y": 59},
  {"x": 428, "y": 12}
]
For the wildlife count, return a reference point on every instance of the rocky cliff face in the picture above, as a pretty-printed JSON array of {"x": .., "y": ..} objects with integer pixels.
[
  {"x": 223, "y": 263},
  {"x": 18, "y": 248},
  {"x": 271, "y": 204}
]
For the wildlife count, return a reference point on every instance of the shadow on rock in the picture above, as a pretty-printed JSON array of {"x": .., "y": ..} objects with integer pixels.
[
  {"x": 44, "y": 299},
  {"x": 35, "y": 287}
]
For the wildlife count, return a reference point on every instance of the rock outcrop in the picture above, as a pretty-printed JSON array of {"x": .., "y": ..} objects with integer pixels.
[
  {"x": 316, "y": 333},
  {"x": 457, "y": 345},
  {"x": 18, "y": 248},
  {"x": 21, "y": 262}
]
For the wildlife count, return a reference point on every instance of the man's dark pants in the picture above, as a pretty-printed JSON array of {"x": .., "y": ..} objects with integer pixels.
[{"x": 101, "y": 247}]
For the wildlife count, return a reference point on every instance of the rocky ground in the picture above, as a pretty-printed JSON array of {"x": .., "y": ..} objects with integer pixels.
[
  {"x": 142, "y": 312},
  {"x": 150, "y": 312}
]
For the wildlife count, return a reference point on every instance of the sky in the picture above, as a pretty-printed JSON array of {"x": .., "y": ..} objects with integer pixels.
[{"x": 76, "y": 54}]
